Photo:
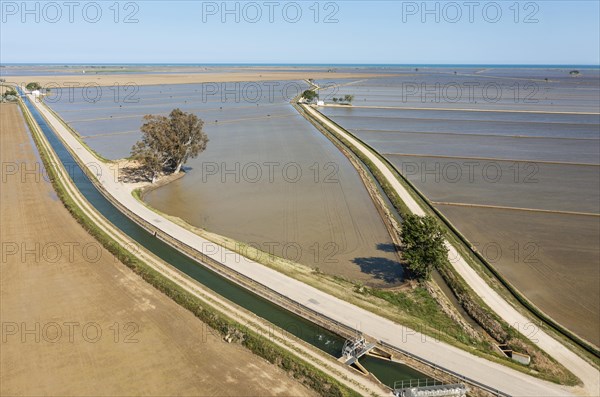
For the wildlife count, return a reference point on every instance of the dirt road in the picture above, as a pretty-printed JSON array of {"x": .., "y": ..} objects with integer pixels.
[{"x": 76, "y": 322}]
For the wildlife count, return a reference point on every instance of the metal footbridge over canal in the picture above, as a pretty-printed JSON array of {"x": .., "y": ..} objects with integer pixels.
[
  {"x": 357, "y": 347},
  {"x": 354, "y": 349}
]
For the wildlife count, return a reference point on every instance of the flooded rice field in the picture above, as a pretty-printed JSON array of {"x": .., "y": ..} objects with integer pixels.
[
  {"x": 471, "y": 88},
  {"x": 521, "y": 180},
  {"x": 522, "y": 184},
  {"x": 108, "y": 118},
  {"x": 486, "y": 147},
  {"x": 551, "y": 257},
  {"x": 268, "y": 178}
]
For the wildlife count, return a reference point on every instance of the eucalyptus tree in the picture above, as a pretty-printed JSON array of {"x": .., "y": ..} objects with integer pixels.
[{"x": 169, "y": 142}]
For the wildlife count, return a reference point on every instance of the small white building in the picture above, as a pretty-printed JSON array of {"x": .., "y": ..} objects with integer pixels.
[
  {"x": 36, "y": 93},
  {"x": 320, "y": 103}
]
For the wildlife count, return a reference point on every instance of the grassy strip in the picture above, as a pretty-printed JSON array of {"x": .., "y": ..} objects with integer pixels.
[
  {"x": 302, "y": 371},
  {"x": 545, "y": 365},
  {"x": 419, "y": 304}
]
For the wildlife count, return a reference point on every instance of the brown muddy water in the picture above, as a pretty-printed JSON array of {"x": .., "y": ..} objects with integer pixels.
[
  {"x": 521, "y": 184},
  {"x": 281, "y": 186},
  {"x": 526, "y": 159},
  {"x": 268, "y": 178},
  {"x": 551, "y": 258}
]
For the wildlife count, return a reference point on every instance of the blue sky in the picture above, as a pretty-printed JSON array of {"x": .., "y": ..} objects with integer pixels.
[{"x": 404, "y": 32}]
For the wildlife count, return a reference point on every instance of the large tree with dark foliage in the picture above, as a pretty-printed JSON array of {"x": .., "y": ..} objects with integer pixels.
[
  {"x": 424, "y": 247},
  {"x": 168, "y": 142},
  {"x": 33, "y": 86},
  {"x": 310, "y": 95}
]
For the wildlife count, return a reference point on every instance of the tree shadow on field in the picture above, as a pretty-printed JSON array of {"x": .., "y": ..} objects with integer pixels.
[
  {"x": 132, "y": 174},
  {"x": 387, "y": 247},
  {"x": 381, "y": 268}
]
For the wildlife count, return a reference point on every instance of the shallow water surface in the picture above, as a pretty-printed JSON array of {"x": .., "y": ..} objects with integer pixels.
[{"x": 513, "y": 154}]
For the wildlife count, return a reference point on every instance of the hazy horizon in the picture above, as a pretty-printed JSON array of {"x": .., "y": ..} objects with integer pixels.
[{"x": 118, "y": 63}]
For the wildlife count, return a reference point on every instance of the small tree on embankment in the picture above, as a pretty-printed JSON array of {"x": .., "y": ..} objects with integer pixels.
[
  {"x": 168, "y": 142},
  {"x": 424, "y": 248},
  {"x": 33, "y": 86},
  {"x": 309, "y": 95}
]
